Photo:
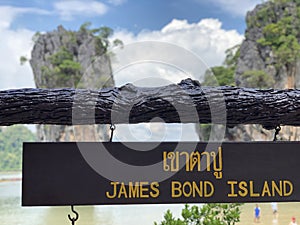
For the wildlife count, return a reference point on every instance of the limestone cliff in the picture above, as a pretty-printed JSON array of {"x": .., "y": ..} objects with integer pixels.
[
  {"x": 254, "y": 56},
  {"x": 257, "y": 57},
  {"x": 83, "y": 63}
]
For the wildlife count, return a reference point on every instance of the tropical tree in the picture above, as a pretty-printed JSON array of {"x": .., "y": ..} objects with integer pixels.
[
  {"x": 207, "y": 214},
  {"x": 11, "y": 142},
  {"x": 282, "y": 37},
  {"x": 223, "y": 75}
]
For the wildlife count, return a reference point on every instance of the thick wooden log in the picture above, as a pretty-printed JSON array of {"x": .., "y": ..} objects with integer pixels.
[{"x": 186, "y": 102}]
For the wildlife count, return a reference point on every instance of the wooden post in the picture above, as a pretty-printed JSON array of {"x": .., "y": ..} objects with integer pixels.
[{"x": 243, "y": 105}]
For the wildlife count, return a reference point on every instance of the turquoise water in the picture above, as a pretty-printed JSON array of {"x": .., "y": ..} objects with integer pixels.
[{"x": 11, "y": 212}]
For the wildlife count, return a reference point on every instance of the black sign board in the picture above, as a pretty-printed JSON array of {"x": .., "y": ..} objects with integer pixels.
[{"x": 143, "y": 173}]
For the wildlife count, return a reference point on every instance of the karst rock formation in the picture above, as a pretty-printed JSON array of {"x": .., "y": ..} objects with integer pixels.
[
  {"x": 257, "y": 57},
  {"x": 63, "y": 58}
]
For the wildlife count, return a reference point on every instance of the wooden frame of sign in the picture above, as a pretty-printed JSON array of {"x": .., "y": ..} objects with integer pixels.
[{"x": 59, "y": 174}]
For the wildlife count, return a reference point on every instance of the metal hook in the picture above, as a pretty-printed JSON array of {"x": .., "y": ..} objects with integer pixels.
[
  {"x": 74, "y": 219},
  {"x": 112, "y": 128},
  {"x": 277, "y": 130}
]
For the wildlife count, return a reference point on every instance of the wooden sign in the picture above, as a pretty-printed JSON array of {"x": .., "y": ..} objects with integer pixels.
[{"x": 60, "y": 174}]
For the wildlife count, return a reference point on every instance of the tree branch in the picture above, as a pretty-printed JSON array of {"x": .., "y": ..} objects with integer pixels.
[{"x": 186, "y": 102}]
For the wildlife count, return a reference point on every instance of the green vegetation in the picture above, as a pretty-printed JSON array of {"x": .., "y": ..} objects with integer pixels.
[
  {"x": 35, "y": 37},
  {"x": 267, "y": 14},
  {"x": 102, "y": 36},
  {"x": 263, "y": 16},
  {"x": 220, "y": 76},
  {"x": 65, "y": 72},
  {"x": 23, "y": 60},
  {"x": 258, "y": 79},
  {"x": 282, "y": 35},
  {"x": 11, "y": 142},
  {"x": 282, "y": 38},
  {"x": 208, "y": 214},
  {"x": 62, "y": 68},
  {"x": 279, "y": 21},
  {"x": 223, "y": 75}
]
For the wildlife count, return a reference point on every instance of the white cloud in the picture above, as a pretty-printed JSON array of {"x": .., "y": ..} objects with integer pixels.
[
  {"x": 117, "y": 2},
  {"x": 15, "y": 43},
  {"x": 68, "y": 9},
  {"x": 175, "y": 55},
  {"x": 237, "y": 7},
  {"x": 8, "y": 14},
  {"x": 206, "y": 39}
]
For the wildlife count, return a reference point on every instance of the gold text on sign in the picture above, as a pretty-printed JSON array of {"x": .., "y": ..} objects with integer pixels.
[
  {"x": 133, "y": 190},
  {"x": 213, "y": 161},
  {"x": 282, "y": 188}
]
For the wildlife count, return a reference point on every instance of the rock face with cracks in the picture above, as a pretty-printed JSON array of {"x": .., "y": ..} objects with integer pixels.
[
  {"x": 94, "y": 71},
  {"x": 257, "y": 57},
  {"x": 254, "y": 55}
]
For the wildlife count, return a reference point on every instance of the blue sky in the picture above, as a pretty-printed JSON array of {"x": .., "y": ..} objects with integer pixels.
[
  {"x": 207, "y": 28},
  {"x": 201, "y": 28},
  {"x": 132, "y": 15}
]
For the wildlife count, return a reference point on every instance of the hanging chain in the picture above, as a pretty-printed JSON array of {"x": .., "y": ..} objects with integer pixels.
[
  {"x": 112, "y": 128},
  {"x": 277, "y": 130},
  {"x": 74, "y": 219}
]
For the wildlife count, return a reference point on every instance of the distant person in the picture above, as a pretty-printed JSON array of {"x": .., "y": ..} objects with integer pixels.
[
  {"x": 275, "y": 210},
  {"x": 257, "y": 213},
  {"x": 293, "y": 221}
]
